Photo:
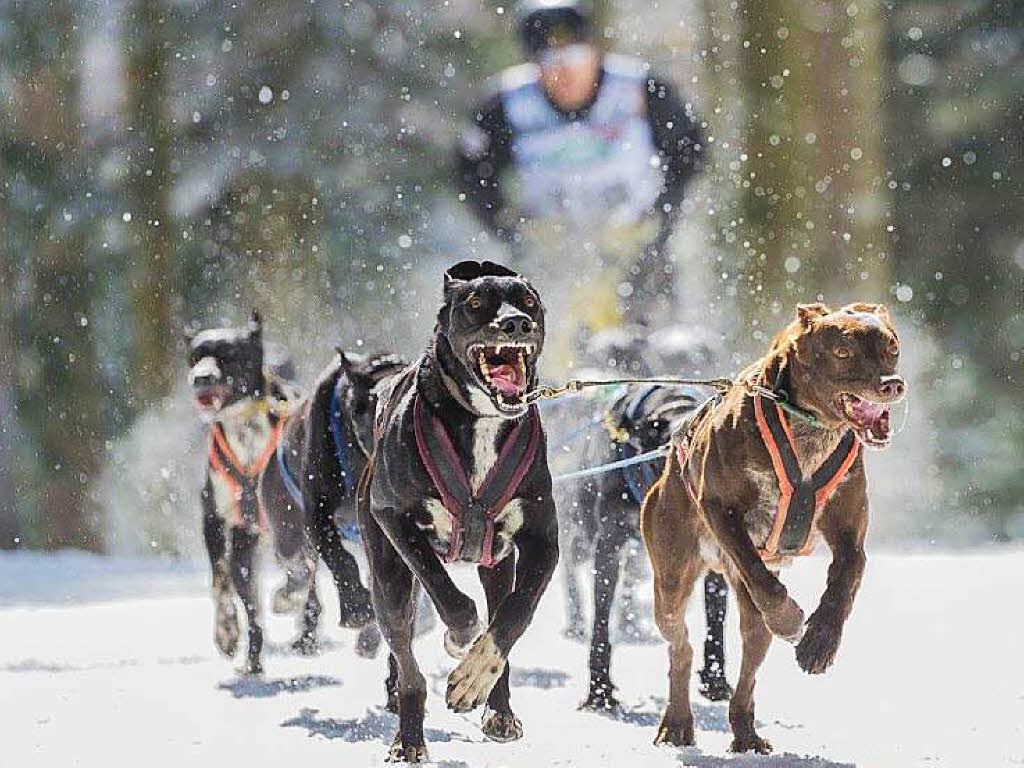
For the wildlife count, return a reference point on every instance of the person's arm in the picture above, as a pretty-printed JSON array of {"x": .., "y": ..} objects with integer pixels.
[
  {"x": 679, "y": 142},
  {"x": 482, "y": 155}
]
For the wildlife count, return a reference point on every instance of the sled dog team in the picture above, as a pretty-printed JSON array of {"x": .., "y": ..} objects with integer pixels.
[{"x": 444, "y": 461}]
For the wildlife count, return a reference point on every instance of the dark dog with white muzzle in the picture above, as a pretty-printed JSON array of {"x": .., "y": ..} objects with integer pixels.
[
  {"x": 459, "y": 474},
  {"x": 245, "y": 403}
]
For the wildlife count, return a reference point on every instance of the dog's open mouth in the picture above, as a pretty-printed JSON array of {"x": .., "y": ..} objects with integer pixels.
[
  {"x": 505, "y": 369},
  {"x": 209, "y": 399},
  {"x": 868, "y": 419}
]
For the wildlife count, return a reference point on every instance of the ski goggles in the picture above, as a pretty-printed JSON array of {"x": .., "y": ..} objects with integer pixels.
[{"x": 565, "y": 55}]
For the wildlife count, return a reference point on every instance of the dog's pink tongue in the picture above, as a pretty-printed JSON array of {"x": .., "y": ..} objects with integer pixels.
[
  {"x": 506, "y": 378},
  {"x": 870, "y": 413}
]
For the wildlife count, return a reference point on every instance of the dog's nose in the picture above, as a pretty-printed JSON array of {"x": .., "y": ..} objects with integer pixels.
[
  {"x": 515, "y": 325},
  {"x": 203, "y": 381},
  {"x": 892, "y": 388}
]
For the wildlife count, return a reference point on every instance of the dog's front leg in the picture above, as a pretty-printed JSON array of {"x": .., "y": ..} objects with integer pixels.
[
  {"x": 783, "y": 616},
  {"x": 471, "y": 681},
  {"x": 243, "y": 574},
  {"x": 456, "y": 609},
  {"x": 844, "y": 528},
  {"x": 215, "y": 538}
]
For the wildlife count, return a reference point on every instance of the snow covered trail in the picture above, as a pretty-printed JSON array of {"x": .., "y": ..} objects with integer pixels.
[{"x": 111, "y": 663}]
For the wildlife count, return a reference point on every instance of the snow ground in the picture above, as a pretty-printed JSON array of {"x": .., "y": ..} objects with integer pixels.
[{"x": 111, "y": 663}]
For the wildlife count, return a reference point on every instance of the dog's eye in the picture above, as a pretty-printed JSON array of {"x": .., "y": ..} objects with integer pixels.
[
  {"x": 529, "y": 302},
  {"x": 843, "y": 352},
  {"x": 474, "y": 302},
  {"x": 894, "y": 347}
]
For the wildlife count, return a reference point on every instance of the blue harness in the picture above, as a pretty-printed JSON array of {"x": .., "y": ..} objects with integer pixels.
[
  {"x": 639, "y": 477},
  {"x": 349, "y": 530}
]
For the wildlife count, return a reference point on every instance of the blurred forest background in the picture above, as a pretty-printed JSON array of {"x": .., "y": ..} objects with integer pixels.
[{"x": 167, "y": 162}]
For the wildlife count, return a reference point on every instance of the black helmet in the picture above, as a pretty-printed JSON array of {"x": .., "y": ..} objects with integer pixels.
[{"x": 542, "y": 20}]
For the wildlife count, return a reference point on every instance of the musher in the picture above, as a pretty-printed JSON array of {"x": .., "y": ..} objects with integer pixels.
[{"x": 579, "y": 162}]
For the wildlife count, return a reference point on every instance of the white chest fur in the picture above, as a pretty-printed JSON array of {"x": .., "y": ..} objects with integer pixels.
[
  {"x": 484, "y": 455},
  {"x": 485, "y": 450},
  {"x": 248, "y": 438}
]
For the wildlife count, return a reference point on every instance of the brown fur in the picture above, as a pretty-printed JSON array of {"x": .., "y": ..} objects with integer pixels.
[{"x": 734, "y": 493}]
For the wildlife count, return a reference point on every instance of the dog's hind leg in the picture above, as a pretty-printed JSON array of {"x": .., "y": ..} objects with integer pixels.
[
  {"x": 353, "y": 597},
  {"x": 713, "y": 685},
  {"x": 607, "y": 564},
  {"x": 576, "y": 554},
  {"x": 756, "y": 639},
  {"x": 243, "y": 574},
  {"x": 391, "y": 582},
  {"x": 499, "y": 722},
  {"x": 672, "y": 590},
  {"x": 671, "y": 533},
  {"x": 215, "y": 538},
  {"x": 306, "y": 644}
]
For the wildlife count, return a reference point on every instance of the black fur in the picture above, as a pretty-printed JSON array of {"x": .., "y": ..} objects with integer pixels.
[
  {"x": 483, "y": 304},
  {"x": 310, "y": 447}
]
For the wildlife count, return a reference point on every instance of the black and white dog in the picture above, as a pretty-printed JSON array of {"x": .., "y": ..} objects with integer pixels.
[
  {"x": 322, "y": 453},
  {"x": 460, "y": 474},
  {"x": 245, "y": 402}
]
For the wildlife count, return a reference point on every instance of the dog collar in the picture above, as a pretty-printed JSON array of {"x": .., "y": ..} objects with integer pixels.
[{"x": 473, "y": 515}]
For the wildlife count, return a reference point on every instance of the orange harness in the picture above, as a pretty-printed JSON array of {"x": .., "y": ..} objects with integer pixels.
[
  {"x": 801, "y": 499},
  {"x": 243, "y": 480}
]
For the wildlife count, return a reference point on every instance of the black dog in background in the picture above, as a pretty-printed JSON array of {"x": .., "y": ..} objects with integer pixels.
[
  {"x": 600, "y": 514},
  {"x": 459, "y": 474},
  {"x": 641, "y": 420},
  {"x": 243, "y": 497},
  {"x": 322, "y": 453}
]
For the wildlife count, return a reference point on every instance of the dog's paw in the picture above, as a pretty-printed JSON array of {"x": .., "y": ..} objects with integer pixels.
[
  {"x": 600, "y": 699},
  {"x": 817, "y": 649},
  {"x": 306, "y": 644},
  {"x": 368, "y": 641},
  {"x": 786, "y": 621},
  {"x": 472, "y": 680},
  {"x": 675, "y": 734},
  {"x": 457, "y": 644},
  {"x": 226, "y": 634},
  {"x": 407, "y": 751},
  {"x": 251, "y": 668},
  {"x": 750, "y": 742},
  {"x": 501, "y": 726},
  {"x": 713, "y": 685}
]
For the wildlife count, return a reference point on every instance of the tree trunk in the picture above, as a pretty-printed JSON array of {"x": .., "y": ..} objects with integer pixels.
[
  {"x": 153, "y": 277},
  {"x": 814, "y": 197}
]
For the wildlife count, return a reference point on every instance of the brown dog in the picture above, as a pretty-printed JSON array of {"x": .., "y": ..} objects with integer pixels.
[{"x": 749, "y": 486}]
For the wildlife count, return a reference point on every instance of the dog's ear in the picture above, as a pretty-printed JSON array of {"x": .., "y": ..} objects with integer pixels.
[
  {"x": 471, "y": 270},
  {"x": 344, "y": 360},
  {"x": 878, "y": 310},
  {"x": 808, "y": 313},
  {"x": 255, "y": 326}
]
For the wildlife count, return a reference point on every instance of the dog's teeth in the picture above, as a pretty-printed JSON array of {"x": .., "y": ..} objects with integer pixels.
[
  {"x": 485, "y": 369},
  {"x": 522, "y": 363},
  {"x": 498, "y": 349}
]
